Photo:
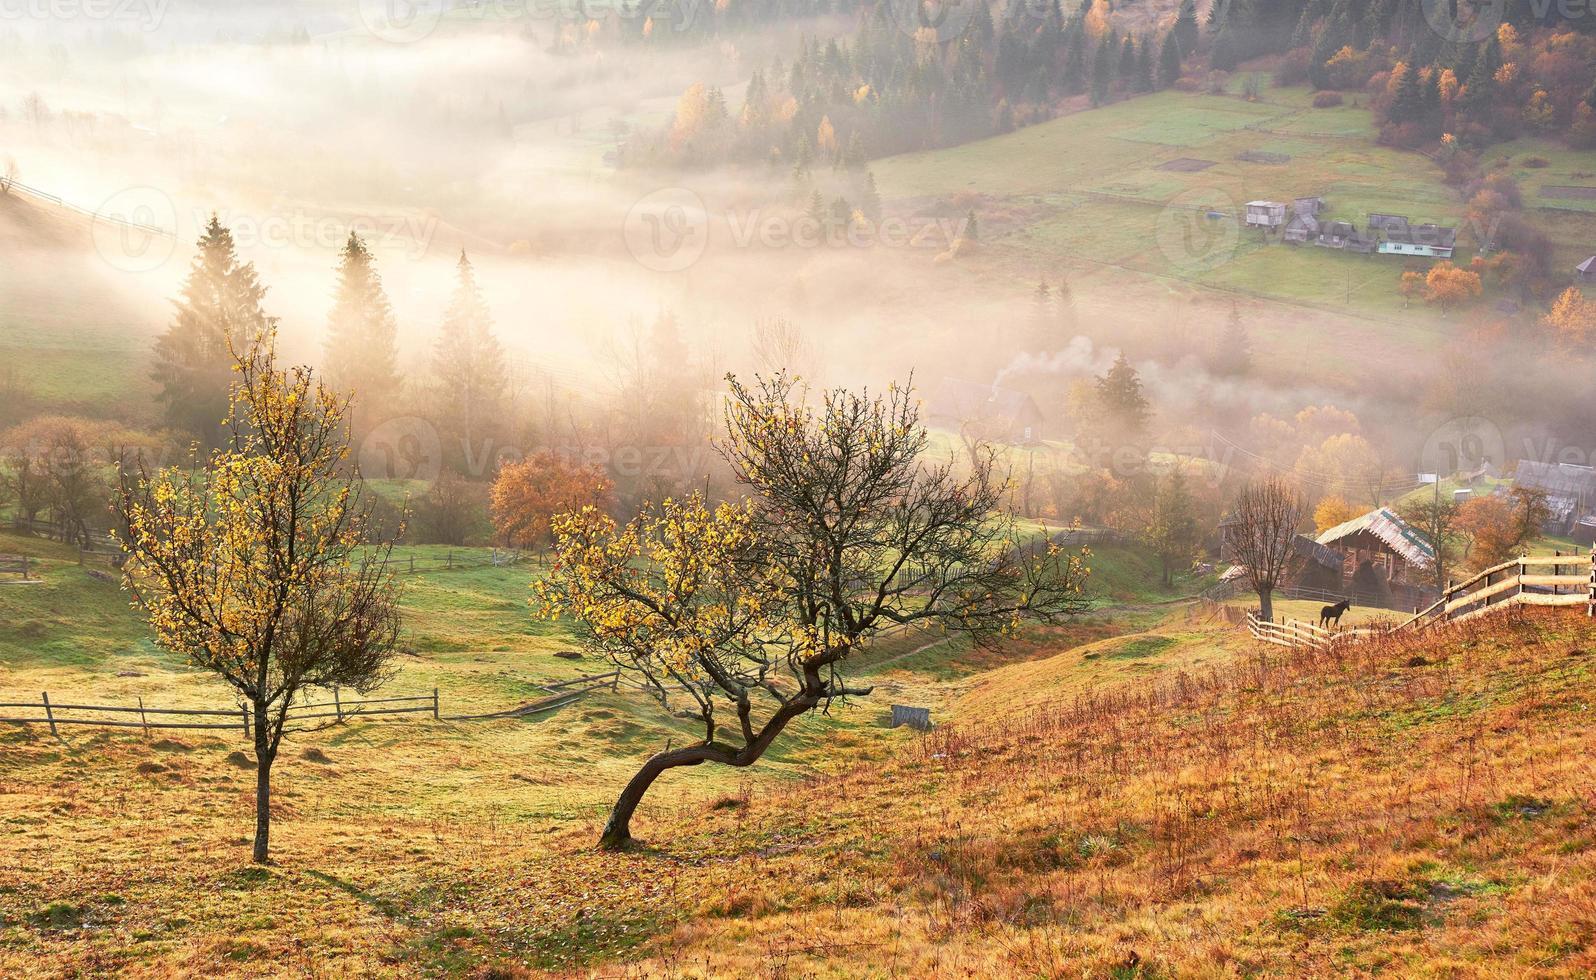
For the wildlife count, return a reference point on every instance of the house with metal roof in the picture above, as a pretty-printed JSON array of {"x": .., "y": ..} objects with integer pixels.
[
  {"x": 1586, "y": 270},
  {"x": 1381, "y": 553},
  {"x": 1570, "y": 490},
  {"x": 1429, "y": 241}
]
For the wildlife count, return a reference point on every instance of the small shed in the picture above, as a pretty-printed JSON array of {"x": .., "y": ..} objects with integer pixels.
[
  {"x": 1394, "y": 223},
  {"x": 1303, "y": 229},
  {"x": 1266, "y": 214},
  {"x": 1308, "y": 207},
  {"x": 1586, "y": 270}
]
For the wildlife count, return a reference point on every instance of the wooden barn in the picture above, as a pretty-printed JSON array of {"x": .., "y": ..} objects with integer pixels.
[{"x": 1382, "y": 556}]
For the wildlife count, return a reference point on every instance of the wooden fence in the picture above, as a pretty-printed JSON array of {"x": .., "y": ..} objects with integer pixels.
[
  {"x": 1295, "y": 633},
  {"x": 335, "y": 711},
  {"x": 1570, "y": 583},
  {"x": 1521, "y": 582}
]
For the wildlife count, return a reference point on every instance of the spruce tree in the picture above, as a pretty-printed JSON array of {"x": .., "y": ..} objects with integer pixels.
[
  {"x": 1124, "y": 406},
  {"x": 469, "y": 365},
  {"x": 870, "y": 199},
  {"x": 1103, "y": 71},
  {"x": 1173, "y": 533},
  {"x": 1185, "y": 29},
  {"x": 1233, "y": 354},
  {"x": 362, "y": 337},
  {"x": 218, "y": 312},
  {"x": 1169, "y": 61}
]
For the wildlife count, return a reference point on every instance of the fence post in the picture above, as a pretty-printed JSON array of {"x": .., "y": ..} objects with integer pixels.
[
  {"x": 449, "y": 562},
  {"x": 80, "y": 555},
  {"x": 338, "y": 704},
  {"x": 49, "y": 714},
  {"x": 435, "y": 705},
  {"x": 615, "y": 682},
  {"x": 412, "y": 564},
  {"x": 143, "y": 720},
  {"x": 24, "y": 568},
  {"x": 245, "y": 712}
]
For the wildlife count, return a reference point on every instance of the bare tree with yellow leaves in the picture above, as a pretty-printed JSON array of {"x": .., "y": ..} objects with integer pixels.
[
  {"x": 255, "y": 565},
  {"x": 752, "y": 609}
]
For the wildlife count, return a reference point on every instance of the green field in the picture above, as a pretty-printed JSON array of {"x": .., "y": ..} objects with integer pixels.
[{"x": 1088, "y": 194}]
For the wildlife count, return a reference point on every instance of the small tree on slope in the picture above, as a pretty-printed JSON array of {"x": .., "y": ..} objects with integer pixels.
[
  {"x": 747, "y": 614},
  {"x": 252, "y": 566}
]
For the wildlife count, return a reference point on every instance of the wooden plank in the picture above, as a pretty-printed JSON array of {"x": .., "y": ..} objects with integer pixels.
[
  {"x": 1543, "y": 599},
  {"x": 106, "y": 724},
  {"x": 1572, "y": 581},
  {"x": 1479, "y": 595}
]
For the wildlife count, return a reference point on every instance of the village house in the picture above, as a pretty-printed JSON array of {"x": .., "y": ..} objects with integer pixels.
[
  {"x": 1570, "y": 491},
  {"x": 1586, "y": 270},
  {"x": 1384, "y": 560},
  {"x": 986, "y": 411},
  {"x": 1267, "y": 215},
  {"x": 1426, "y": 241}
]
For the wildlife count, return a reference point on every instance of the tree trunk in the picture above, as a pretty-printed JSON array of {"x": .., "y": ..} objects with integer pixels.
[
  {"x": 263, "y": 786},
  {"x": 1266, "y": 605},
  {"x": 618, "y": 829}
]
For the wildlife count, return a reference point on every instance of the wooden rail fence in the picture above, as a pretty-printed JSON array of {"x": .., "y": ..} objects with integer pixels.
[
  {"x": 331, "y": 712},
  {"x": 1524, "y": 581}
]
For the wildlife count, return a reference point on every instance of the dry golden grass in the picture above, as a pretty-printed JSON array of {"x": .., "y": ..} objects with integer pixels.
[{"x": 1417, "y": 808}]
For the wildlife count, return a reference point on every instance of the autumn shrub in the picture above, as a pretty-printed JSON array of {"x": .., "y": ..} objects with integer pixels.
[{"x": 1328, "y": 100}]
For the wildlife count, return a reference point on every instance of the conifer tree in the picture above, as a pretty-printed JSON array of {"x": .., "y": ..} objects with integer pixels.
[
  {"x": 469, "y": 365},
  {"x": 362, "y": 338},
  {"x": 218, "y": 315},
  {"x": 1173, "y": 532},
  {"x": 1185, "y": 29},
  {"x": 1169, "y": 61}
]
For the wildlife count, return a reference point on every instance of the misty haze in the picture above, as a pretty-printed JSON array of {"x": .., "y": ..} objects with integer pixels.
[{"x": 776, "y": 488}]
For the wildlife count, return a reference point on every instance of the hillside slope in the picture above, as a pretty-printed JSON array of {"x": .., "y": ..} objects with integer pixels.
[{"x": 1419, "y": 808}]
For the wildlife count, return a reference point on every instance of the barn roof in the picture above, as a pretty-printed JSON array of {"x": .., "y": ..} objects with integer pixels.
[
  {"x": 1556, "y": 479},
  {"x": 1390, "y": 530},
  {"x": 1588, "y": 266},
  {"x": 1316, "y": 552}
]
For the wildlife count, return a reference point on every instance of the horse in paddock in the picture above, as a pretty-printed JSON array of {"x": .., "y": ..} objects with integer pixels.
[{"x": 1331, "y": 615}]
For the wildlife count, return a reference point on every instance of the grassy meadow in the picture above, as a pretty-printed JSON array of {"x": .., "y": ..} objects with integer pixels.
[{"x": 1102, "y": 196}]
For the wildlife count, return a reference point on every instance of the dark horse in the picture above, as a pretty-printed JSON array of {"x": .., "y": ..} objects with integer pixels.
[{"x": 1331, "y": 615}]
